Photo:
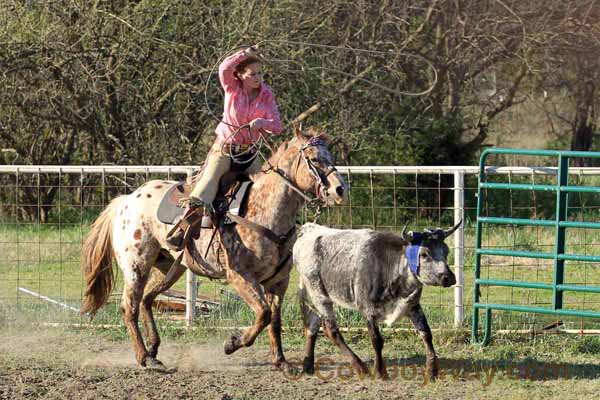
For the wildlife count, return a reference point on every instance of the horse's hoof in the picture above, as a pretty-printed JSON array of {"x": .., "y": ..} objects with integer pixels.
[
  {"x": 152, "y": 364},
  {"x": 231, "y": 345}
]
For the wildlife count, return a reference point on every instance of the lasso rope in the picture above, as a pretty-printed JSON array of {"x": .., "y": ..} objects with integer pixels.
[
  {"x": 258, "y": 144},
  {"x": 365, "y": 51}
]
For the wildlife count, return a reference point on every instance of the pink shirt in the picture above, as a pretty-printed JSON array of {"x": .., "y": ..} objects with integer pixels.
[{"x": 238, "y": 110}]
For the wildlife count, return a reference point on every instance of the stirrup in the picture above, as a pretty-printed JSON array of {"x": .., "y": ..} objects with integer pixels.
[
  {"x": 180, "y": 234},
  {"x": 177, "y": 237},
  {"x": 193, "y": 202}
]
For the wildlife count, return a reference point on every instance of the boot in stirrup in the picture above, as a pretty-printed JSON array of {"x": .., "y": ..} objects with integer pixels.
[{"x": 181, "y": 232}]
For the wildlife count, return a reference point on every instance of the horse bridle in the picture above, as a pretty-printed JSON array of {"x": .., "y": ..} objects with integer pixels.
[{"x": 318, "y": 175}]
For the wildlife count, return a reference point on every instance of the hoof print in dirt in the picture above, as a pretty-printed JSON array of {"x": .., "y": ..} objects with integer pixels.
[{"x": 289, "y": 369}]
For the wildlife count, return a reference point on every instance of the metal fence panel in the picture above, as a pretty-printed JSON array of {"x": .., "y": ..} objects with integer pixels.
[{"x": 45, "y": 212}]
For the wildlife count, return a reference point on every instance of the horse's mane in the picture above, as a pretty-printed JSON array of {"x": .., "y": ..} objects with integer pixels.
[
  {"x": 317, "y": 132},
  {"x": 312, "y": 132}
]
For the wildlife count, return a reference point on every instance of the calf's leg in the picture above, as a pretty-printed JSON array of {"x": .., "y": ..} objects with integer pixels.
[
  {"x": 420, "y": 323},
  {"x": 377, "y": 342},
  {"x": 312, "y": 323},
  {"x": 324, "y": 306},
  {"x": 275, "y": 299}
]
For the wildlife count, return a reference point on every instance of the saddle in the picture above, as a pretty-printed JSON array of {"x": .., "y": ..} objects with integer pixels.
[
  {"x": 230, "y": 202},
  {"x": 231, "y": 198},
  {"x": 230, "y": 208}
]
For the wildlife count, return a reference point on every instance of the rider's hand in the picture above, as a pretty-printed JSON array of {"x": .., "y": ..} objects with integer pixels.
[
  {"x": 253, "y": 51},
  {"x": 258, "y": 123}
]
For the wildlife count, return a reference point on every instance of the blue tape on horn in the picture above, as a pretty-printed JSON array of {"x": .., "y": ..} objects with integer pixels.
[{"x": 412, "y": 255}]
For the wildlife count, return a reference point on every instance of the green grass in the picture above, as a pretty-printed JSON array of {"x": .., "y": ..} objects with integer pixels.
[{"x": 45, "y": 259}]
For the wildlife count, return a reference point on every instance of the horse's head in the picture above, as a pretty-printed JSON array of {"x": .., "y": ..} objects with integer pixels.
[{"x": 315, "y": 171}]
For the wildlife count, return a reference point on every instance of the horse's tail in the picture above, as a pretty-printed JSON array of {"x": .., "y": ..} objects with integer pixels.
[{"x": 96, "y": 260}]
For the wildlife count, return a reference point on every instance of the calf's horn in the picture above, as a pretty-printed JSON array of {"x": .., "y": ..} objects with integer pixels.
[
  {"x": 407, "y": 237},
  {"x": 451, "y": 230}
]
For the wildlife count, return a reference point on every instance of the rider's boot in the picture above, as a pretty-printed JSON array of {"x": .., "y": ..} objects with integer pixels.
[{"x": 181, "y": 232}]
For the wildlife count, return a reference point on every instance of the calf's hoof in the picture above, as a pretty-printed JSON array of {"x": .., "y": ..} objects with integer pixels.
[
  {"x": 361, "y": 369},
  {"x": 288, "y": 369},
  {"x": 308, "y": 367},
  {"x": 432, "y": 369},
  {"x": 383, "y": 376}
]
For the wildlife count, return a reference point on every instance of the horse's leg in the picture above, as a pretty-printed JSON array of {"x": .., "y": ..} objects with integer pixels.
[
  {"x": 136, "y": 250},
  {"x": 162, "y": 278},
  {"x": 130, "y": 308},
  {"x": 275, "y": 299},
  {"x": 253, "y": 294}
]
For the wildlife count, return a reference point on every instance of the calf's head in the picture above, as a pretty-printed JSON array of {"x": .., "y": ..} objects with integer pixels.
[{"x": 427, "y": 256}]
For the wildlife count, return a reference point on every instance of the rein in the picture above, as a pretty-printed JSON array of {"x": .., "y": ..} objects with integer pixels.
[
  {"x": 283, "y": 266},
  {"x": 314, "y": 171},
  {"x": 319, "y": 177}
]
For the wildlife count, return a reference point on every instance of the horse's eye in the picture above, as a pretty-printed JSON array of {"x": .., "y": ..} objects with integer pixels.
[
  {"x": 424, "y": 255},
  {"x": 314, "y": 159}
]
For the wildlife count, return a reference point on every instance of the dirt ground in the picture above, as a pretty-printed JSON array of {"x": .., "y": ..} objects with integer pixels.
[{"x": 75, "y": 365}]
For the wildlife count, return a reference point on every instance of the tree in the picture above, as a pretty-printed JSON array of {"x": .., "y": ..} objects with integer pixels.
[{"x": 567, "y": 66}]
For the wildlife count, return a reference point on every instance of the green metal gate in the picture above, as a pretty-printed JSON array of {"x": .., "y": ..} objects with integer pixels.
[{"x": 560, "y": 224}]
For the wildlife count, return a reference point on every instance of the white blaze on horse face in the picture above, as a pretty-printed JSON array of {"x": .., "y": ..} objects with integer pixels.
[
  {"x": 335, "y": 190},
  {"x": 338, "y": 188}
]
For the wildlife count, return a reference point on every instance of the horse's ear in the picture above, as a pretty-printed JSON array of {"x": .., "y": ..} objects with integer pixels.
[{"x": 298, "y": 131}]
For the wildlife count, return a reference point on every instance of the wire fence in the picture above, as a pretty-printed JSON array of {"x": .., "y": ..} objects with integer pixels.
[{"x": 45, "y": 213}]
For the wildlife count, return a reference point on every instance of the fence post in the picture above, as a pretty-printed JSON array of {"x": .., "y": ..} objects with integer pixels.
[
  {"x": 191, "y": 289},
  {"x": 459, "y": 255}
]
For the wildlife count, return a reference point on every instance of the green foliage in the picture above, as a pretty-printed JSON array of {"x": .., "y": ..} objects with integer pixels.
[
  {"x": 121, "y": 82},
  {"x": 124, "y": 82}
]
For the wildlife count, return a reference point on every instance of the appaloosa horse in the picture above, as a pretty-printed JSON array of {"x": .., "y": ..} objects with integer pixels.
[{"x": 129, "y": 229}]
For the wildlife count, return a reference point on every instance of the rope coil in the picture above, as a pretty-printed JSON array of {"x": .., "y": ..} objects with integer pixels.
[{"x": 355, "y": 77}]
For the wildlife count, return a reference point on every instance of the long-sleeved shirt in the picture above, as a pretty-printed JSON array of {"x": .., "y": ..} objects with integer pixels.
[{"x": 238, "y": 110}]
